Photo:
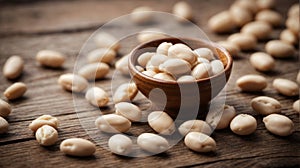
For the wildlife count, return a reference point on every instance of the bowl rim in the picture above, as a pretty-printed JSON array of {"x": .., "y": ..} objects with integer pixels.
[{"x": 209, "y": 43}]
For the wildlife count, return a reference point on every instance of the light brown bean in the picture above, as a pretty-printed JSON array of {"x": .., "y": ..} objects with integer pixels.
[
  {"x": 77, "y": 147},
  {"x": 122, "y": 65},
  {"x": 50, "y": 58},
  {"x": 112, "y": 123},
  {"x": 279, "y": 49},
  {"x": 200, "y": 142},
  {"x": 161, "y": 122},
  {"x": 183, "y": 10},
  {"x": 293, "y": 24},
  {"x": 243, "y": 124},
  {"x": 250, "y": 83},
  {"x": 243, "y": 41},
  {"x": 240, "y": 15},
  {"x": 286, "y": 87},
  {"x": 296, "y": 106},
  {"x": 265, "y": 105},
  {"x": 265, "y": 4},
  {"x": 221, "y": 22},
  {"x": 106, "y": 40},
  {"x": 105, "y": 55},
  {"x": 72, "y": 82},
  {"x": 3, "y": 125},
  {"x": 248, "y": 5},
  {"x": 97, "y": 97},
  {"x": 15, "y": 91},
  {"x": 289, "y": 37},
  {"x": 44, "y": 120},
  {"x": 298, "y": 78},
  {"x": 5, "y": 108},
  {"x": 94, "y": 71},
  {"x": 262, "y": 61},
  {"x": 232, "y": 48},
  {"x": 13, "y": 67},
  {"x": 259, "y": 29},
  {"x": 141, "y": 15},
  {"x": 279, "y": 124},
  {"x": 272, "y": 17},
  {"x": 150, "y": 34}
]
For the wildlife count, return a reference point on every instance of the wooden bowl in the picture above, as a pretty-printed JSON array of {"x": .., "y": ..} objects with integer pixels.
[{"x": 184, "y": 98}]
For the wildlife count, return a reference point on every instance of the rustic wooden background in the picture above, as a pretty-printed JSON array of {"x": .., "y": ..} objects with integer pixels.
[{"x": 26, "y": 28}]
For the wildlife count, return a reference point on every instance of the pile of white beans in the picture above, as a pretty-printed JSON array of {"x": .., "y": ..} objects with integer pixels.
[{"x": 170, "y": 62}]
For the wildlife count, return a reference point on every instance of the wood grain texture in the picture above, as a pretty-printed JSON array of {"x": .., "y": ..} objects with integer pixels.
[{"x": 65, "y": 26}]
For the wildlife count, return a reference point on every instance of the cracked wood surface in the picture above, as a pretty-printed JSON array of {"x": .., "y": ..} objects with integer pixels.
[{"x": 26, "y": 28}]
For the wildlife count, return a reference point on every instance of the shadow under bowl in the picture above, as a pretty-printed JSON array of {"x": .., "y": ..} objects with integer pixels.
[{"x": 186, "y": 100}]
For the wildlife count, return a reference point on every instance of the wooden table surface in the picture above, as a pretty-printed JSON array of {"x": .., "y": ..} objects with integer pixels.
[{"x": 26, "y": 28}]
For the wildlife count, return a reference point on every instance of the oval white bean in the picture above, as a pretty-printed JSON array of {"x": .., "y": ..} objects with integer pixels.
[
  {"x": 5, "y": 108},
  {"x": 176, "y": 67},
  {"x": 251, "y": 83},
  {"x": 152, "y": 143},
  {"x": 73, "y": 82},
  {"x": 232, "y": 48},
  {"x": 77, "y": 147},
  {"x": 182, "y": 51},
  {"x": 161, "y": 122},
  {"x": 243, "y": 124},
  {"x": 259, "y": 29},
  {"x": 279, "y": 124},
  {"x": 105, "y": 55},
  {"x": 164, "y": 76},
  {"x": 186, "y": 78},
  {"x": 122, "y": 65},
  {"x": 286, "y": 87},
  {"x": 216, "y": 67},
  {"x": 270, "y": 16},
  {"x": 13, "y": 67},
  {"x": 203, "y": 70},
  {"x": 240, "y": 15},
  {"x": 50, "y": 58},
  {"x": 15, "y": 91},
  {"x": 205, "y": 53},
  {"x": 120, "y": 144},
  {"x": 125, "y": 93},
  {"x": 221, "y": 22},
  {"x": 279, "y": 49},
  {"x": 97, "y": 97},
  {"x": 262, "y": 61},
  {"x": 227, "y": 116},
  {"x": 129, "y": 111},
  {"x": 94, "y": 71},
  {"x": 112, "y": 123},
  {"x": 141, "y": 15},
  {"x": 46, "y": 135},
  {"x": 106, "y": 40},
  {"x": 200, "y": 142},
  {"x": 183, "y": 10},
  {"x": 163, "y": 48},
  {"x": 243, "y": 41},
  {"x": 44, "y": 120},
  {"x": 289, "y": 37},
  {"x": 144, "y": 58},
  {"x": 194, "y": 126},
  {"x": 150, "y": 34},
  {"x": 266, "y": 105}
]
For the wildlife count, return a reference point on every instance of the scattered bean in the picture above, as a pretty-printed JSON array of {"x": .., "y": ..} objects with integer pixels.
[
  {"x": 122, "y": 65},
  {"x": 120, "y": 144},
  {"x": 125, "y": 93},
  {"x": 3, "y": 125},
  {"x": 129, "y": 111},
  {"x": 272, "y": 17},
  {"x": 161, "y": 122},
  {"x": 141, "y": 15},
  {"x": 5, "y": 108},
  {"x": 152, "y": 143},
  {"x": 94, "y": 71},
  {"x": 46, "y": 135},
  {"x": 296, "y": 106},
  {"x": 286, "y": 87},
  {"x": 248, "y": 5},
  {"x": 77, "y": 147},
  {"x": 251, "y": 83},
  {"x": 266, "y": 105},
  {"x": 13, "y": 67},
  {"x": 279, "y": 124},
  {"x": 43, "y": 120},
  {"x": 259, "y": 29},
  {"x": 289, "y": 37},
  {"x": 243, "y": 41},
  {"x": 262, "y": 61},
  {"x": 183, "y": 10},
  {"x": 294, "y": 10},
  {"x": 240, "y": 15},
  {"x": 73, "y": 82},
  {"x": 227, "y": 115},
  {"x": 112, "y": 123},
  {"x": 265, "y": 4},
  {"x": 106, "y": 40},
  {"x": 243, "y": 124},
  {"x": 194, "y": 126},
  {"x": 150, "y": 34},
  {"x": 221, "y": 22},
  {"x": 279, "y": 49},
  {"x": 97, "y": 97},
  {"x": 105, "y": 55},
  {"x": 200, "y": 142},
  {"x": 15, "y": 91},
  {"x": 50, "y": 58},
  {"x": 293, "y": 24}
]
